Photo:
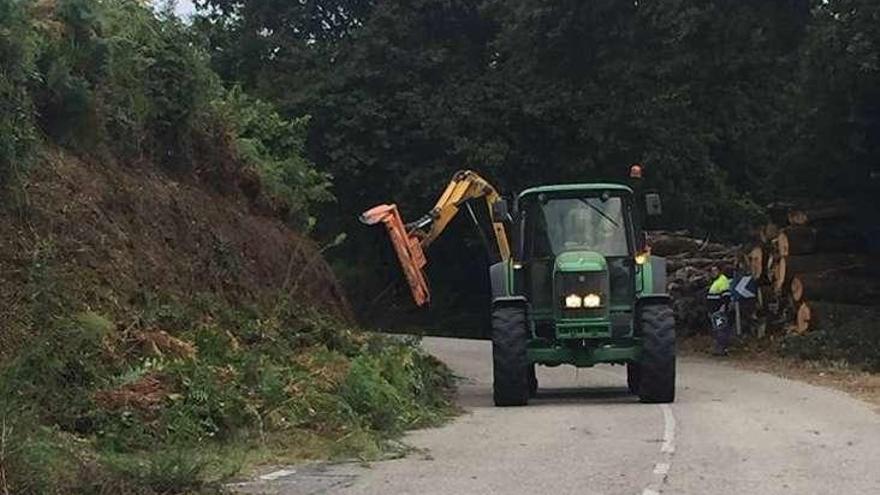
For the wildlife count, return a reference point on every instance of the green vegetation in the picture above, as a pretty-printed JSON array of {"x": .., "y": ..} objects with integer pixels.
[
  {"x": 728, "y": 104},
  {"x": 276, "y": 147},
  {"x": 123, "y": 387},
  {"x": 97, "y": 404},
  {"x": 116, "y": 79}
]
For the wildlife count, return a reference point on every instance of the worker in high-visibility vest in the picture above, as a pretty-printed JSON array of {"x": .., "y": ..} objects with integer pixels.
[{"x": 719, "y": 310}]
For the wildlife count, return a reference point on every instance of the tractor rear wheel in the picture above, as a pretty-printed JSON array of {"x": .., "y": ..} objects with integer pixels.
[
  {"x": 657, "y": 367},
  {"x": 510, "y": 364}
]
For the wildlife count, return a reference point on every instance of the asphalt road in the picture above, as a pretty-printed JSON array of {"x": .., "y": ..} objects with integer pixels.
[{"x": 730, "y": 432}]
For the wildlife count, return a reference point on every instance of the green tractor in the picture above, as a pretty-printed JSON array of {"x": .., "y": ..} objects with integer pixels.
[{"x": 576, "y": 285}]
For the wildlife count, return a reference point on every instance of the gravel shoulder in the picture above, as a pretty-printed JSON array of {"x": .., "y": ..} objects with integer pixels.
[{"x": 760, "y": 356}]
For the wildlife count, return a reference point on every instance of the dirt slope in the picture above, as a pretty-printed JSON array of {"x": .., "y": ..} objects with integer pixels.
[{"x": 107, "y": 236}]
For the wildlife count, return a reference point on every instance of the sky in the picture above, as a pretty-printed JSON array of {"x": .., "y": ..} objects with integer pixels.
[{"x": 184, "y": 8}]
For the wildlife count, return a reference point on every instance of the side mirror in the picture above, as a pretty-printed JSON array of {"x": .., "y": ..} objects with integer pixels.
[
  {"x": 500, "y": 211},
  {"x": 653, "y": 207}
]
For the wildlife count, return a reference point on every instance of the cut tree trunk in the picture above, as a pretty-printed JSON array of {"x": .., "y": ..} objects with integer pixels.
[
  {"x": 796, "y": 288},
  {"x": 840, "y": 264},
  {"x": 803, "y": 318},
  {"x": 780, "y": 275},
  {"x": 760, "y": 298},
  {"x": 798, "y": 240},
  {"x": 808, "y": 216},
  {"x": 771, "y": 271},
  {"x": 678, "y": 262},
  {"x": 778, "y": 212},
  {"x": 834, "y": 287},
  {"x": 768, "y": 232},
  {"x": 668, "y": 244},
  {"x": 756, "y": 262}
]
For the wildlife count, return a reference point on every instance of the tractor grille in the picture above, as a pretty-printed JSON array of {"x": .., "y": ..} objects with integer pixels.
[{"x": 582, "y": 283}]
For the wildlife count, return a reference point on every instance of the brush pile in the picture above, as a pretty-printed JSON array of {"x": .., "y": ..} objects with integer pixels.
[{"x": 689, "y": 264}]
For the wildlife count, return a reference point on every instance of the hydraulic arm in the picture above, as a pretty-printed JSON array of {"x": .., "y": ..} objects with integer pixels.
[{"x": 411, "y": 239}]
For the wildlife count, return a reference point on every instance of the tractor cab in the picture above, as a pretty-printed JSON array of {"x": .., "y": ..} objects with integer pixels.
[{"x": 576, "y": 248}]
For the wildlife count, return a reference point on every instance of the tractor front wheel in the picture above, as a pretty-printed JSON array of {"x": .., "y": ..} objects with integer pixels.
[
  {"x": 656, "y": 382},
  {"x": 510, "y": 364}
]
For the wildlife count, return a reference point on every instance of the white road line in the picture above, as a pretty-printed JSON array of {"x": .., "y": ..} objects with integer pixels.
[
  {"x": 667, "y": 450},
  {"x": 277, "y": 474},
  {"x": 661, "y": 468},
  {"x": 668, "y": 446}
]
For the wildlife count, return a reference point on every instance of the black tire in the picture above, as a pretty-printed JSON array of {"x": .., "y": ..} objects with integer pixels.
[
  {"x": 510, "y": 365},
  {"x": 657, "y": 366},
  {"x": 533, "y": 381},
  {"x": 633, "y": 376}
]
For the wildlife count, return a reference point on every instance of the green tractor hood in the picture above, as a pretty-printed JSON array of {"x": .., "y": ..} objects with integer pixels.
[{"x": 581, "y": 261}]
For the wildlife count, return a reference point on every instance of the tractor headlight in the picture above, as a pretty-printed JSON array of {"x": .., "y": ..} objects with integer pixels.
[
  {"x": 592, "y": 301},
  {"x": 573, "y": 301}
]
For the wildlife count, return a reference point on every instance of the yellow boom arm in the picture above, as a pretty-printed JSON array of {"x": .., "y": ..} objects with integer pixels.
[
  {"x": 410, "y": 239},
  {"x": 464, "y": 186}
]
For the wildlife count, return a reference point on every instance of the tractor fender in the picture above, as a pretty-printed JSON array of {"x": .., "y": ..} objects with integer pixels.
[{"x": 658, "y": 275}]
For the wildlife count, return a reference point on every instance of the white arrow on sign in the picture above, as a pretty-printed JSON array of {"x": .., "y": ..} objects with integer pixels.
[{"x": 742, "y": 287}]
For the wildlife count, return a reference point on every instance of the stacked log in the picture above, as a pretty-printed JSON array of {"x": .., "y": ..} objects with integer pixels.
[{"x": 810, "y": 254}]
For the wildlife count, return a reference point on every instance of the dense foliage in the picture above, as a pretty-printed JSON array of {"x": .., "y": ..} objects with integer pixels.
[
  {"x": 730, "y": 105},
  {"x": 118, "y": 79},
  {"x": 723, "y": 101},
  {"x": 94, "y": 406}
]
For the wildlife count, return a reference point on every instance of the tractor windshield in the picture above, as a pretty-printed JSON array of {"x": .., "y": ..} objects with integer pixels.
[{"x": 583, "y": 224}]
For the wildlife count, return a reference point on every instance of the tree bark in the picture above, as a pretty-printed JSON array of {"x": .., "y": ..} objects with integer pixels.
[
  {"x": 803, "y": 318},
  {"x": 796, "y": 240},
  {"x": 779, "y": 274},
  {"x": 831, "y": 262},
  {"x": 670, "y": 244},
  {"x": 796, "y": 288},
  {"x": 768, "y": 232},
  {"x": 756, "y": 262},
  {"x": 676, "y": 263},
  {"x": 800, "y": 240},
  {"x": 834, "y": 287},
  {"x": 812, "y": 215},
  {"x": 778, "y": 212}
]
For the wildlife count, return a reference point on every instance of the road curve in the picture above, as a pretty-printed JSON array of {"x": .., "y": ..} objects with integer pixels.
[{"x": 730, "y": 432}]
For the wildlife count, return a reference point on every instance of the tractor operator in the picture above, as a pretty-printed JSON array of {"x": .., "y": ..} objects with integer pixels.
[{"x": 719, "y": 304}]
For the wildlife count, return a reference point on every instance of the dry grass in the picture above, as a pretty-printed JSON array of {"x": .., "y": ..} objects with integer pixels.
[
  {"x": 144, "y": 396},
  {"x": 158, "y": 343},
  {"x": 103, "y": 235}
]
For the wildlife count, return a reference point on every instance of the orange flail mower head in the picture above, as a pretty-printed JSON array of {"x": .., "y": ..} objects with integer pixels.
[{"x": 408, "y": 248}]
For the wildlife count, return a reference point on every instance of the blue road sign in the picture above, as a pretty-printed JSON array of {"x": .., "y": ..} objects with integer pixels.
[{"x": 744, "y": 287}]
